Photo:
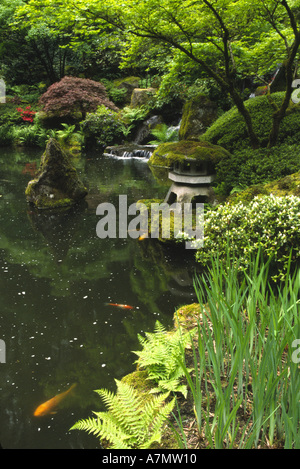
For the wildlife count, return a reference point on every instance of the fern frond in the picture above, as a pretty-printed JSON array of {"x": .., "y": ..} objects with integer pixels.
[
  {"x": 112, "y": 430},
  {"x": 128, "y": 407},
  {"x": 152, "y": 406},
  {"x": 159, "y": 356},
  {"x": 157, "y": 421},
  {"x": 130, "y": 422},
  {"x": 107, "y": 396},
  {"x": 89, "y": 425}
]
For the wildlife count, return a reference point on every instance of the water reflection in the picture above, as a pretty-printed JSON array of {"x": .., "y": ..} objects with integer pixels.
[{"x": 56, "y": 276}]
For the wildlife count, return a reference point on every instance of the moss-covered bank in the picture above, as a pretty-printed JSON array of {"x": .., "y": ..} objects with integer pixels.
[{"x": 288, "y": 185}]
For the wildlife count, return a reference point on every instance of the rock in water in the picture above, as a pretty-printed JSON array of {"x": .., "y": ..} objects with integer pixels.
[{"x": 56, "y": 183}]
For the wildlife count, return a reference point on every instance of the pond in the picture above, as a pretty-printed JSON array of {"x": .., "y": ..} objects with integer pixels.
[{"x": 57, "y": 277}]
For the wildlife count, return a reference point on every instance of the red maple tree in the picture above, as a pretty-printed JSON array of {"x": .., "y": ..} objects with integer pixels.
[{"x": 73, "y": 94}]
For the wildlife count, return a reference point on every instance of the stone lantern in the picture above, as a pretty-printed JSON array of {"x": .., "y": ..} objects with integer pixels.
[
  {"x": 191, "y": 182},
  {"x": 191, "y": 169}
]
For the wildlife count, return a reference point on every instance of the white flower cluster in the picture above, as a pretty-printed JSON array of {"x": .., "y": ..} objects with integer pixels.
[{"x": 269, "y": 223}]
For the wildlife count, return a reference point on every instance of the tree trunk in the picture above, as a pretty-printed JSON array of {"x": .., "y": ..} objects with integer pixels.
[
  {"x": 281, "y": 112},
  {"x": 254, "y": 140}
]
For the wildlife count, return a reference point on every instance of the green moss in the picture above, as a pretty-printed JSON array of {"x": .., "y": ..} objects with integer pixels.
[
  {"x": 163, "y": 226},
  {"x": 56, "y": 183},
  {"x": 45, "y": 202},
  {"x": 186, "y": 316},
  {"x": 139, "y": 380},
  {"x": 53, "y": 120},
  {"x": 156, "y": 222},
  {"x": 167, "y": 154},
  {"x": 133, "y": 81}
]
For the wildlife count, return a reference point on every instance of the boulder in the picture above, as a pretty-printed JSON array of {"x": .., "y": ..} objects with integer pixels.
[
  {"x": 141, "y": 96},
  {"x": 56, "y": 183},
  {"x": 198, "y": 114},
  {"x": 143, "y": 134},
  {"x": 52, "y": 120},
  {"x": 129, "y": 84}
]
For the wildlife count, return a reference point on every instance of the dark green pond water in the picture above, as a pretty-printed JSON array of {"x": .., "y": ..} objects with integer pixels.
[{"x": 56, "y": 278}]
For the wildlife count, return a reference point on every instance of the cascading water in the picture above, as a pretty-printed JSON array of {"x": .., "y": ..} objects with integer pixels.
[
  {"x": 137, "y": 154},
  {"x": 142, "y": 152}
]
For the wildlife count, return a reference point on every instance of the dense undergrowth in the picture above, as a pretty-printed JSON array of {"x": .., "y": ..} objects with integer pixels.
[{"x": 241, "y": 366}]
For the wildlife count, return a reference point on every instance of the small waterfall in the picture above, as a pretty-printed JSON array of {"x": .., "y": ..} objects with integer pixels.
[
  {"x": 131, "y": 151},
  {"x": 137, "y": 154}
]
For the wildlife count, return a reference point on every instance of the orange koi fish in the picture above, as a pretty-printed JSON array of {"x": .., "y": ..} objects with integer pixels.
[
  {"x": 49, "y": 406},
  {"x": 143, "y": 236},
  {"x": 117, "y": 305}
]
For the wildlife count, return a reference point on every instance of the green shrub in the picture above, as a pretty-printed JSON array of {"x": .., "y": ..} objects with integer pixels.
[
  {"x": 247, "y": 167},
  {"x": 115, "y": 93},
  {"x": 6, "y": 135},
  {"x": 270, "y": 224},
  {"x": 230, "y": 130},
  {"x": 25, "y": 135},
  {"x": 65, "y": 135},
  {"x": 103, "y": 127},
  {"x": 9, "y": 114},
  {"x": 134, "y": 116}
]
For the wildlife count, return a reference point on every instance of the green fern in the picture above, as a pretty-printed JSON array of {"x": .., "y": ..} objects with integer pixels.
[
  {"x": 164, "y": 134},
  {"x": 131, "y": 421},
  {"x": 159, "y": 357},
  {"x": 67, "y": 133}
]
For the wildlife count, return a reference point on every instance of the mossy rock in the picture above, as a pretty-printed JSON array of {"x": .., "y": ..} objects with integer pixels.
[
  {"x": 198, "y": 114},
  {"x": 56, "y": 184},
  {"x": 186, "y": 317},
  {"x": 52, "y": 120},
  {"x": 141, "y": 96},
  {"x": 139, "y": 379},
  {"x": 167, "y": 154},
  {"x": 129, "y": 84}
]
